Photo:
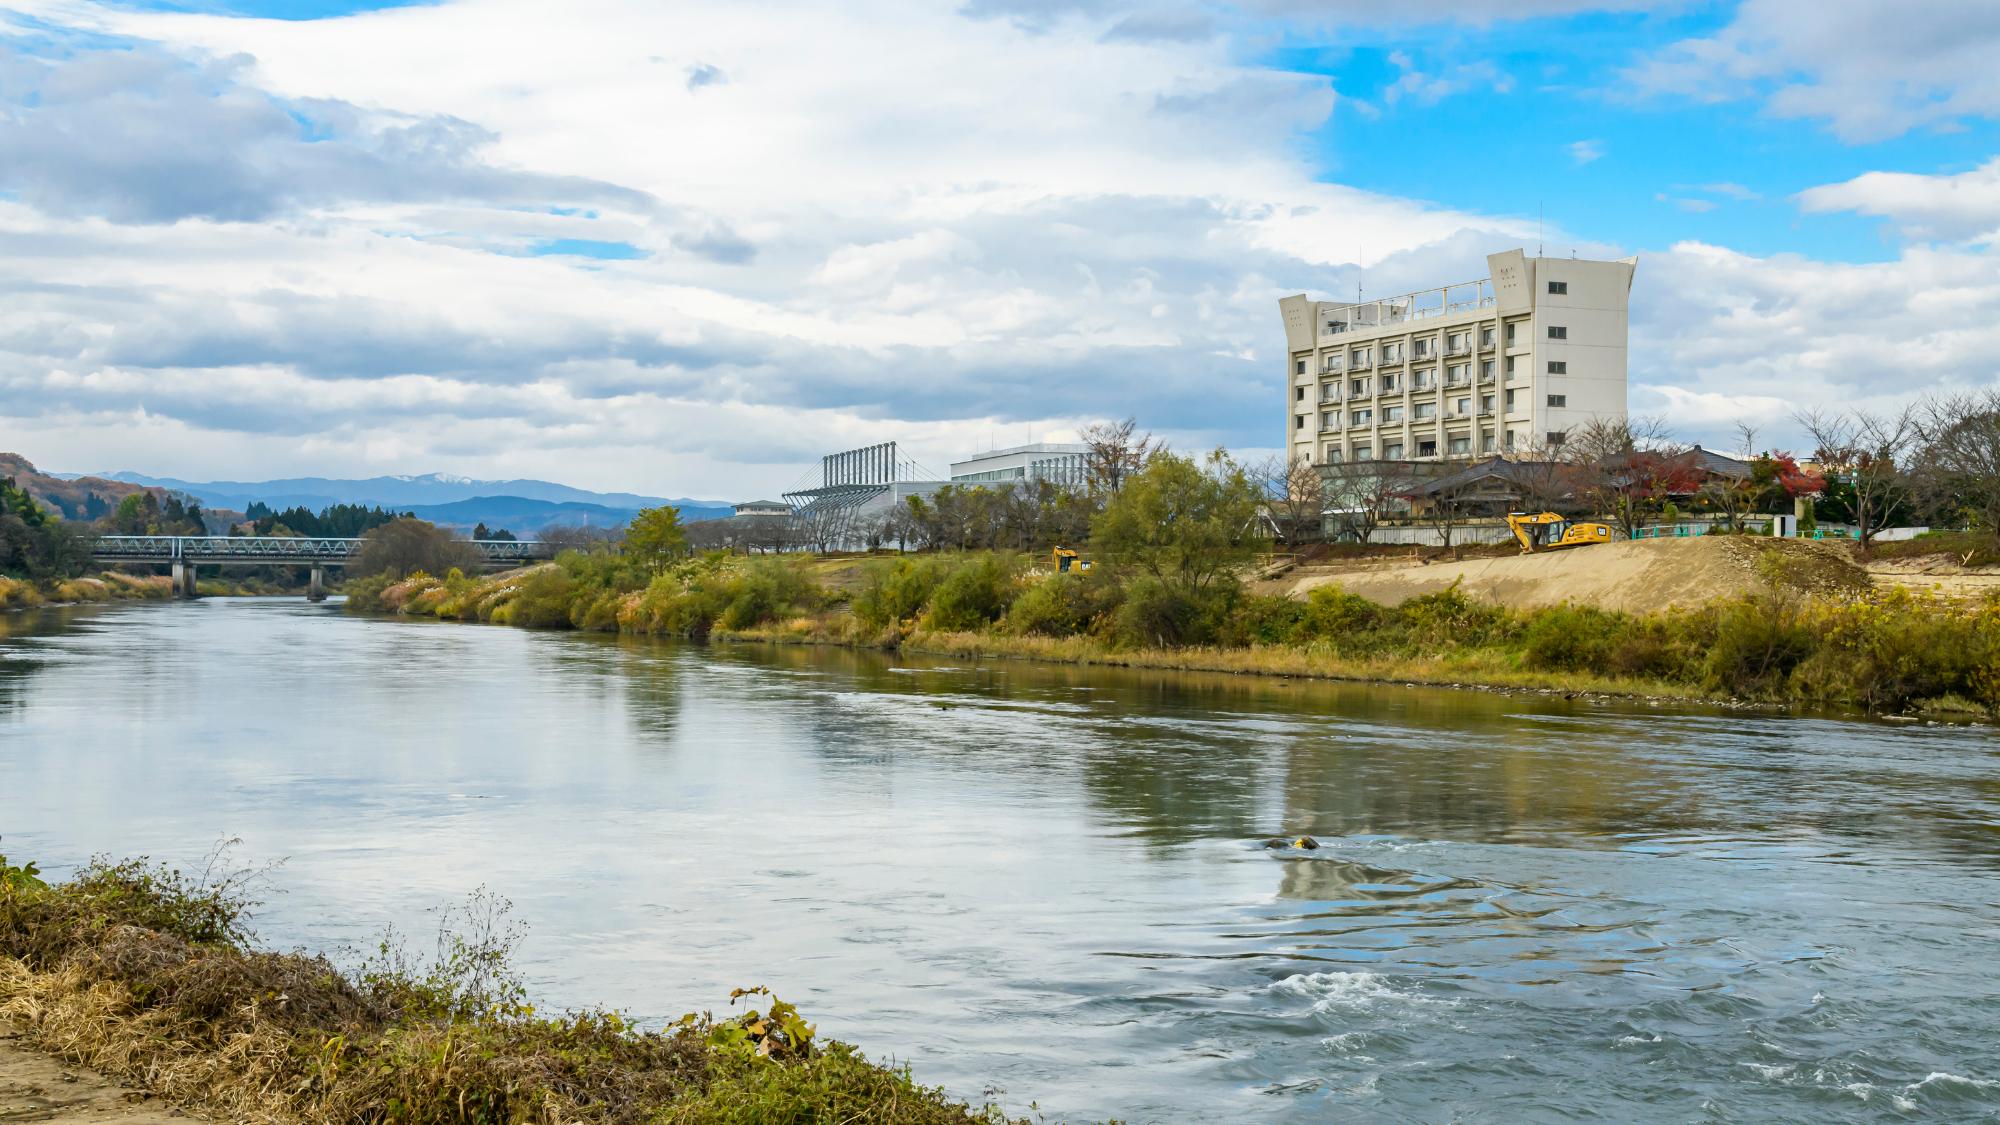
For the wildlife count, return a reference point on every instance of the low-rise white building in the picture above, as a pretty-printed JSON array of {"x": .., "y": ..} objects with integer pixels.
[
  {"x": 1506, "y": 364},
  {"x": 1060, "y": 462}
]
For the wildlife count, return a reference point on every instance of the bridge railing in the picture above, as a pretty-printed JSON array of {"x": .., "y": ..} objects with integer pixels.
[{"x": 277, "y": 549}]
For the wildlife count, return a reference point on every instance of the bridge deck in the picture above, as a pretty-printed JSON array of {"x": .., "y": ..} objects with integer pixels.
[{"x": 249, "y": 551}]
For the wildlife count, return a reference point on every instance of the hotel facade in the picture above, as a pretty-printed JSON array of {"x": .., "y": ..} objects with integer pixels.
[{"x": 1506, "y": 364}]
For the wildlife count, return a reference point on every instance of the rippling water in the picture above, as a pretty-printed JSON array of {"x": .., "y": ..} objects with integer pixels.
[{"x": 1052, "y": 883}]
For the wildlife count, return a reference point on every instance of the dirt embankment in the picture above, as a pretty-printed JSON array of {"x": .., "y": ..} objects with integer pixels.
[
  {"x": 37, "y": 1088},
  {"x": 1640, "y": 576},
  {"x": 1943, "y": 575}
]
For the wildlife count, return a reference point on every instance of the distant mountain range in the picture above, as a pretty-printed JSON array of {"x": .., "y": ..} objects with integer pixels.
[
  {"x": 523, "y": 516},
  {"x": 397, "y": 492}
]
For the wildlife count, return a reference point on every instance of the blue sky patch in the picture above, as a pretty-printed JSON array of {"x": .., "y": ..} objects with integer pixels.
[{"x": 586, "y": 248}]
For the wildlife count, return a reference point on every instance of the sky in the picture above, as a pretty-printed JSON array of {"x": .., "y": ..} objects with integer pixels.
[{"x": 686, "y": 249}]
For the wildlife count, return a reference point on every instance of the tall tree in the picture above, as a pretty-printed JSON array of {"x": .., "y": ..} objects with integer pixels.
[
  {"x": 1957, "y": 463},
  {"x": 655, "y": 537},
  {"x": 1863, "y": 451},
  {"x": 1116, "y": 451},
  {"x": 405, "y": 546},
  {"x": 1188, "y": 524}
]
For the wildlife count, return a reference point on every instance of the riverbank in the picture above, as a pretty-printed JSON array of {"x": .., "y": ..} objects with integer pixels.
[
  {"x": 109, "y": 586},
  {"x": 1793, "y": 640},
  {"x": 149, "y": 976}
]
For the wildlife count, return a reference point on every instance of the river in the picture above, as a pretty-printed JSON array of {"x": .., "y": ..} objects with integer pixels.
[{"x": 1047, "y": 883}]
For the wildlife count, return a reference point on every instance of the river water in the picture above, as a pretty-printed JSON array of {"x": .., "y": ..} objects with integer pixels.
[{"x": 1051, "y": 884}]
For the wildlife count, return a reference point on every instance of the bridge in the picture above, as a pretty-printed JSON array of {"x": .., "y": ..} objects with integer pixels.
[{"x": 184, "y": 552}]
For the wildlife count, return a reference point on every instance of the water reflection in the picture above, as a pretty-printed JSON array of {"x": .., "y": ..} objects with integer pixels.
[{"x": 1053, "y": 879}]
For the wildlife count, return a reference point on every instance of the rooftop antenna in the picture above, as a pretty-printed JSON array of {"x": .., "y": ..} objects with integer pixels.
[{"x": 1538, "y": 228}]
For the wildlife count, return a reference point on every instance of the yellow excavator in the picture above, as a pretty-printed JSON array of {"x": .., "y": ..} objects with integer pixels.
[
  {"x": 1548, "y": 531},
  {"x": 1067, "y": 560}
]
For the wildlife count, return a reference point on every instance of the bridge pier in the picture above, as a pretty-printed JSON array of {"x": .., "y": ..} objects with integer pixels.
[
  {"x": 183, "y": 579},
  {"x": 316, "y": 591}
]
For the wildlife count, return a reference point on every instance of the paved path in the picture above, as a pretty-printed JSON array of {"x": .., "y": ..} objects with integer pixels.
[{"x": 36, "y": 1088}]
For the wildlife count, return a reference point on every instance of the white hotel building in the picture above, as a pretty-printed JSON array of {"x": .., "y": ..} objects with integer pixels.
[{"x": 1505, "y": 364}]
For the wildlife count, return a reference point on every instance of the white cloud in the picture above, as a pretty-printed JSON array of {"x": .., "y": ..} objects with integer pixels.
[
  {"x": 1584, "y": 152},
  {"x": 1965, "y": 205},
  {"x": 1870, "y": 70},
  {"x": 1719, "y": 336},
  {"x": 889, "y": 222}
]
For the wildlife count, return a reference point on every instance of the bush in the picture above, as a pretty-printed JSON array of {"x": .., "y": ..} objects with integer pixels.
[
  {"x": 1064, "y": 605},
  {"x": 896, "y": 593},
  {"x": 1448, "y": 619},
  {"x": 1573, "y": 638},
  {"x": 1756, "y": 643},
  {"x": 1264, "y": 620},
  {"x": 765, "y": 590},
  {"x": 1156, "y": 615},
  {"x": 972, "y": 594},
  {"x": 542, "y": 600}
]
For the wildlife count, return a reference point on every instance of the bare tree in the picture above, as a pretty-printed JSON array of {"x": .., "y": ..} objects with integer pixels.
[
  {"x": 1360, "y": 494},
  {"x": 1295, "y": 494},
  {"x": 1116, "y": 451},
  {"x": 1627, "y": 469},
  {"x": 1957, "y": 463},
  {"x": 1442, "y": 503},
  {"x": 1863, "y": 451},
  {"x": 576, "y": 537}
]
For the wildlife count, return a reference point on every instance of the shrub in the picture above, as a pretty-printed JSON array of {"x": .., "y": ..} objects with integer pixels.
[
  {"x": 1156, "y": 615},
  {"x": 1264, "y": 620},
  {"x": 1756, "y": 643},
  {"x": 1064, "y": 605},
  {"x": 1449, "y": 619},
  {"x": 1573, "y": 638},
  {"x": 972, "y": 594},
  {"x": 1334, "y": 615},
  {"x": 896, "y": 593}
]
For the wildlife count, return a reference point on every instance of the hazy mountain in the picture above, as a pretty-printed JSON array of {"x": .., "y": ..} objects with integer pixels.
[
  {"x": 524, "y": 516},
  {"x": 396, "y": 492}
]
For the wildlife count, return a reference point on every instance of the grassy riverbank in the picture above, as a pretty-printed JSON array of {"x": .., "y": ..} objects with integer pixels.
[
  {"x": 149, "y": 976},
  {"x": 1891, "y": 651},
  {"x": 110, "y": 586}
]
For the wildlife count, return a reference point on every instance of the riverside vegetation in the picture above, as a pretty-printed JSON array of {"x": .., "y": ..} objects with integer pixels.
[
  {"x": 1169, "y": 597},
  {"x": 151, "y": 976}
]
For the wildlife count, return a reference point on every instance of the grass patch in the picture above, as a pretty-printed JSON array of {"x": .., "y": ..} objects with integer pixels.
[
  {"x": 1966, "y": 548},
  {"x": 150, "y": 974}
]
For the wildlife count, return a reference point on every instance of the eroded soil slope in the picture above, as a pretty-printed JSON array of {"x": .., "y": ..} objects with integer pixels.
[{"x": 1639, "y": 576}]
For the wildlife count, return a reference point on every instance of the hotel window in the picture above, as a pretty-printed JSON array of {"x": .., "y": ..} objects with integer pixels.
[
  {"x": 1558, "y": 400},
  {"x": 1461, "y": 445},
  {"x": 1301, "y": 395},
  {"x": 1423, "y": 347},
  {"x": 1329, "y": 392},
  {"x": 1510, "y": 441},
  {"x": 1486, "y": 404},
  {"x": 1427, "y": 449},
  {"x": 1455, "y": 373},
  {"x": 1391, "y": 383},
  {"x": 1364, "y": 453},
  {"x": 1559, "y": 287},
  {"x": 1486, "y": 337},
  {"x": 1361, "y": 357},
  {"x": 1423, "y": 378},
  {"x": 1510, "y": 367},
  {"x": 1393, "y": 451},
  {"x": 1486, "y": 371},
  {"x": 1302, "y": 422},
  {"x": 1329, "y": 419},
  {"x": 1556, "y": 439},
  {"x": 1510, "y": 400},
  {"x": 1455, "y": 341},
  {"x": 1558, "y": 367},
  {"x": 1392, "y": 353},
  {"x": 1424, "y": 410},
  {"x": 1333, "y": 455},
  {"x": 1461, "y": 405},
  {"x": 1357, "y": 388},
  {"x": 1558, "y": 332},
  {"x": 1510, "y": 335},
  {"x": 1392, "y": 414},
  {"x": 1361, "y": 418},
  {"x": 1485, "y": 442}
]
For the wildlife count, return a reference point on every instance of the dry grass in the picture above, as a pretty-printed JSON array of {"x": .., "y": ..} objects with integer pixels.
[{"x": 146, "y": 975}]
